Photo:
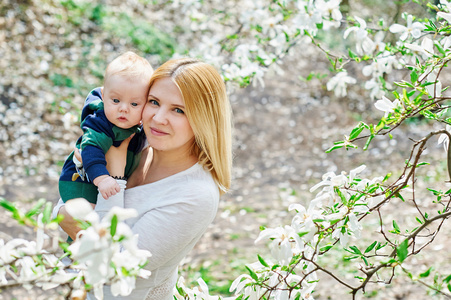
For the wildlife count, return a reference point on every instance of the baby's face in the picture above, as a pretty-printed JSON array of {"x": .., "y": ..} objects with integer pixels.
[{"x": 124, "y": 100}]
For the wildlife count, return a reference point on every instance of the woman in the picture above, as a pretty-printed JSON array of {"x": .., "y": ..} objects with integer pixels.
[{"x": 187, "y": 166}]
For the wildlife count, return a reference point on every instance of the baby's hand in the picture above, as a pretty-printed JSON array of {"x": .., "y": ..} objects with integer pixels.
[{"x": 108, "y": 187}]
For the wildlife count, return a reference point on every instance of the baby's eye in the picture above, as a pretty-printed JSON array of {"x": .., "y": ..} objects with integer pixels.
[
  {"x": 116, "y": 100},
  {"x": 134, "y": 104},
  {"x": 179, "y": 111}
]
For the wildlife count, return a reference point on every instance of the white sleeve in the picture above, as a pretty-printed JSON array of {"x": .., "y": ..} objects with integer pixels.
[
  {"x": 57, "y": 208},
  {"x": 103, "y": 206}
]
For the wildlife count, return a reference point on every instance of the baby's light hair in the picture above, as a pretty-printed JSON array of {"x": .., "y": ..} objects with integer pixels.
[{"x": 130, "y": 66}]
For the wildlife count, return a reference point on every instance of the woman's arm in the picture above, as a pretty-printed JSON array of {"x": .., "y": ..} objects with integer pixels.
[
  {"x": 116, "y": 160},
  {"x": 68, "y": 224}
]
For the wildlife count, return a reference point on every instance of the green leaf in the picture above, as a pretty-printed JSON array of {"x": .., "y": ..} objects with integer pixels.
[
  {"x": 355, "y": 250},
  {"x": 301, "y": 234},
  {"x": 371, "y": 247},
  {"x": 352, "y": 54},
  {"x": 36, "y": 208},
  {"x": 413, "y": 76},
  {"x": 10, "y": 206},
  {"x": 380, "y": 246},
  {"x": 335, "y": 147},
  {"x": 318, "y": 220},
  {"x": 429, "y": 115},
  {"x": 440, "y": 48},
  {"x": 113, "y": 225},
  {"x": 262, "y": 261},
  {"x": 402, "y": 250},
  {"x": 252, "y": 273},
  {"x": 365, "y": 260},
  {"x": 426, "y": 274},
  {"x": 368, "y": 141},
  {"x": 447, "y": 279},
  {"x": 396, "y": 227},
  {"x": 387, "y": 177},
  {"x": 325, "y": 248},
  {"x": 47, "y": 213},
  {"x": 356, "y": 131}
]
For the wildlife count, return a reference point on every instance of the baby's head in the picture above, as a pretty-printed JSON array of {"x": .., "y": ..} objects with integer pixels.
[{"x": 125, "y": 89}]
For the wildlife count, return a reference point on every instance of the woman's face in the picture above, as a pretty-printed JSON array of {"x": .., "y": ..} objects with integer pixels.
[{"x": 164, "y": 121}]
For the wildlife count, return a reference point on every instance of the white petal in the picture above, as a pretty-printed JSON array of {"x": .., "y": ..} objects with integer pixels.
[
  {"x": 396, "y": 28},
  {"x": 446, "y": 16},
  {"x": 348, "y": 31},
  {"x": 78, "y": 208}
]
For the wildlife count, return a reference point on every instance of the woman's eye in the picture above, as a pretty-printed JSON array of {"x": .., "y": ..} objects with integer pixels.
[
  {"x": 153, "y": 102},
  {"x": 179, "y": 111},
  {"x": 116, "y": 100}
]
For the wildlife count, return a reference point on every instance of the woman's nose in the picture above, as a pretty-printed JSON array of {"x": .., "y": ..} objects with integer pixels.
[{"x": 160, "y": 117}]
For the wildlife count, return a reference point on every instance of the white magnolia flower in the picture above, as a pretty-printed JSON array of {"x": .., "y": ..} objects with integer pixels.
[
  {"x": 330, "y": 180},
  {"x": 364, "y": 45},
  {"x": 79, "y": 208},
  {"x": 379, "y": 45},
  {"x": 285, "y": 242},
  {"x": 339, "y": 82},
  {"x": 353, "y": 173},
  {"x": 434, "y": 90},
  {"x": 446, "y": 16},
  {"x": 330, "y": 11},
  {"x": 413, "y": 28},
  {"x": 375, "y": 69},
  {"x": 446, "y": 42},
  {"x": 344, "y": 232},
  {"x": 376, "y": 92},
  {"x": 386, "y": 105},
  {"x": 303, "y": 222},
  {"x": 253, "y": 292},
  {"x": 308, "y": 17},
  {"x": 444, "y": 139},
  {"x": 425, "y": 50}
]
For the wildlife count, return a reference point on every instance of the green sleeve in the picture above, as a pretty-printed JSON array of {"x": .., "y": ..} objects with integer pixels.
[{"x": 96, "y": 139}]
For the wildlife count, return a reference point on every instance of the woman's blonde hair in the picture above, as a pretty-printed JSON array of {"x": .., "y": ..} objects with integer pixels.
[{"x": 208, "y": 111}]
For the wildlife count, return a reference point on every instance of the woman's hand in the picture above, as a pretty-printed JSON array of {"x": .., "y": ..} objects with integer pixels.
[{"x": 116, "y": 158}]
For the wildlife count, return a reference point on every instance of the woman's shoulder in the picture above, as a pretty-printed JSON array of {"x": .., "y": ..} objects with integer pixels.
[
  {"x": 196, "y": 180},
  {"x": 194, "y": 183}
]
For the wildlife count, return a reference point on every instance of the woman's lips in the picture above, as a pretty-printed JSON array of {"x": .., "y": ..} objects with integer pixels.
[{"x": 157, "y": 132}]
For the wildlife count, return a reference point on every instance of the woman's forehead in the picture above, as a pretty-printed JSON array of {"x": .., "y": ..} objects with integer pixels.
[{"x": 164, "y": 89}]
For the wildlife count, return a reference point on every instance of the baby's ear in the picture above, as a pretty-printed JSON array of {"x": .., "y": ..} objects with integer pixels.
[{"x": 101, "y": 91}]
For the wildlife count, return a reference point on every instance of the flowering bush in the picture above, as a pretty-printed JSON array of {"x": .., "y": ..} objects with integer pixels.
[{"x": 104, "y": 253}]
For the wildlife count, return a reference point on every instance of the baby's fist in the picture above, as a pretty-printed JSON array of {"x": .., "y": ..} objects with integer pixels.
[{"x": 108, "y": 187}]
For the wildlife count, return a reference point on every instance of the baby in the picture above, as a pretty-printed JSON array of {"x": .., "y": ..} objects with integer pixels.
[{"x": 107, "y": 123}]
